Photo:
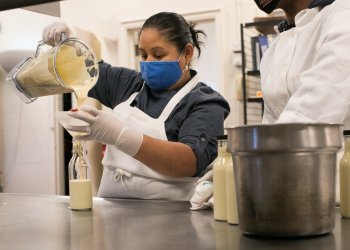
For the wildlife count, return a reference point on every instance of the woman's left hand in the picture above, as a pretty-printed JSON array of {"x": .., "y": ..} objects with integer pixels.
[{"x": 107, "y": 129}]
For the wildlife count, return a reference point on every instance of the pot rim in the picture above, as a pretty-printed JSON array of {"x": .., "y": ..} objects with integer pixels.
[{"x": 285, "y": 137}]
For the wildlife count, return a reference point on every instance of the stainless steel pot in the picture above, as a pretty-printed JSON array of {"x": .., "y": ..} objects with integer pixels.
[{"x": 285, "y": 176}]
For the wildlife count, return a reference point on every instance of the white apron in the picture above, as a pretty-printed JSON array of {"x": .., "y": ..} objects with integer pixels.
[{"x": 125, "y": 177}]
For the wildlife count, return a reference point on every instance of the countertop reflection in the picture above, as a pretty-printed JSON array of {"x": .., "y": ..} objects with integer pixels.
[{"x": 46, "y": 222}]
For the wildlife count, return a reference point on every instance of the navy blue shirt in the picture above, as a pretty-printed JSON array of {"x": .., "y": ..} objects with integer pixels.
[
  {"x": 320, "y": 3},
  {"x": 196, "y": 120}
]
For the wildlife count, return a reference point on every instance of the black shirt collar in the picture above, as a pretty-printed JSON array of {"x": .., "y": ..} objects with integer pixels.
[
  {"x": 284, "y": 26},
  {"x": 320, "y": 3}
]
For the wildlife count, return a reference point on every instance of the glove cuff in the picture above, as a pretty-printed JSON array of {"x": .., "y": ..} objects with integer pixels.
[{"x": 129, "y": 141}]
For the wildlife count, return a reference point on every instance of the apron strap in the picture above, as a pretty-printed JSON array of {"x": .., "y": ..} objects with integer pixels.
[
  {"x": 174, "y": 100},
  {"x": 132, "y": 97},
  {"x": 177, "y": 97}
]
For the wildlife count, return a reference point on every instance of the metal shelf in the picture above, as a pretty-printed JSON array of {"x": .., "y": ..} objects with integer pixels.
[
  {"x": 255, "y": 99},
  {"x": 253, "y": 73},
  {"x": 250, "y": 70}
]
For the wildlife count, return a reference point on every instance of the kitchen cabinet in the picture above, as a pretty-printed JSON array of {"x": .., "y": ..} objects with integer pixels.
[{"x": 45, "y": 222}]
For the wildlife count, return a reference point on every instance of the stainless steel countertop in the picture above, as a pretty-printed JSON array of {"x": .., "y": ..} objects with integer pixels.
[{"x": 45, "y": 222}]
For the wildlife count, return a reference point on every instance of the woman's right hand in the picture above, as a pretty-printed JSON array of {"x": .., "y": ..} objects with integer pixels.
[{"x": 52, "y": 33}]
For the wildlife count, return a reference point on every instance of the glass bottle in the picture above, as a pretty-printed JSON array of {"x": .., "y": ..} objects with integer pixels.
[
  {"x": 219, "y": 179},
  {"x": 344, "y": 177},
  {"x": 231, "y": 196},
  {"x": 80, "y": 189}
]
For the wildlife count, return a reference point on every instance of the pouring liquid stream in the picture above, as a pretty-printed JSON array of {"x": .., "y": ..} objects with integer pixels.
[
  {"x": 81, "y": 187},
  {"x": 68, "y": 67}
]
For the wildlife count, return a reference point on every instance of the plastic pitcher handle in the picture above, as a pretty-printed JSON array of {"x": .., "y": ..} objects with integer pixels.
[
  {"x": 41, "y": 44},
  {"x": 64, "y": 36},
  {"x": 39, "y": 48}
]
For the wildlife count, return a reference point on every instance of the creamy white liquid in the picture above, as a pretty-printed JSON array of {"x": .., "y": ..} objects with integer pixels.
[
  {"x": 219, "y": 192},
  {"x": 344, "y": 177},
  {"x": 231, "y": 197},
  {"x": 80, "y": 194},
  {"x": 39, "y": 77}
]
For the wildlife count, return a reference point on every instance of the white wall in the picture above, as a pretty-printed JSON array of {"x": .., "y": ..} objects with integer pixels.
[
  {"x": 208, "y": 64},
  {"x": 21, "y": 29}
]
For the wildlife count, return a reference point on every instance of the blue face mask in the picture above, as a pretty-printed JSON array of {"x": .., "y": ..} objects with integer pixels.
[{"x": 160, "y": 75}]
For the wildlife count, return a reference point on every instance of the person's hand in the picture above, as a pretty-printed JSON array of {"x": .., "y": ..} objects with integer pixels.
[
  {"x": 107, "y": 129},
  {"x": 52, "y": 34},
  {"x": 208, "y": 176},
  {"x": 203, "y": 194}
]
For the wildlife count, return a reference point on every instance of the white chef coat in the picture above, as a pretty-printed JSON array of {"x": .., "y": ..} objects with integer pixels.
[
  {"x": 305, "y": 74},
  {"x": 125, "y": 177}
]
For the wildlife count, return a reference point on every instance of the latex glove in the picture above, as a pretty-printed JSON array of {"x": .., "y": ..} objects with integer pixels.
[
  {"x": 52, "y": 33},
  {"x": 203, "y": 196},
  {"x": 207, "y": 177},
  {"x": 106, "y": 128}
]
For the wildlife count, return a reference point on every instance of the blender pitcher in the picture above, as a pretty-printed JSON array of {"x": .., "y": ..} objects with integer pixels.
[{"x": 71, "y": 66}]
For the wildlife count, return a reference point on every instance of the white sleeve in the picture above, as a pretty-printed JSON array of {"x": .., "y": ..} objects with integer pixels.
[
  {"x": 324, "y": 93},
  {"x": 268, "y": 117}
]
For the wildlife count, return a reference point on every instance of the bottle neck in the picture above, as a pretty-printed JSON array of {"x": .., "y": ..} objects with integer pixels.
[
  {"x": 79, "y": 147},
  {"x": 79, "y": 167},
  {"x": 347, "y": 143},
  {"x": 222, "y": 146}
]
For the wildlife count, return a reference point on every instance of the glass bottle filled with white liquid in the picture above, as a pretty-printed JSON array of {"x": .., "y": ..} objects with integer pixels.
[
  {"x": 231, "y": 197},
  {"x": 344, "y": 177},
  {"x": 80, "y": 188},
  {"x": 219, "y": 179}
]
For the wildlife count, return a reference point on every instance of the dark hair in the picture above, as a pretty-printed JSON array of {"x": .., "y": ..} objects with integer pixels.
[{"x": 175, "y": 29}]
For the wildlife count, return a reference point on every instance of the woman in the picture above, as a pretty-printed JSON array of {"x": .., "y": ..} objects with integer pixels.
[
  {"x": 161, "y": 134},
  {"x": 306, "y": 72}
]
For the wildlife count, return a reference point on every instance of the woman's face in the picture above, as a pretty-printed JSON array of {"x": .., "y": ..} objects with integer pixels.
[{"x": 154, "y": 47}]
